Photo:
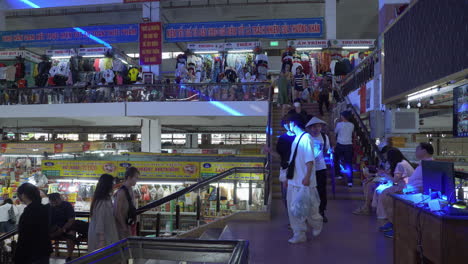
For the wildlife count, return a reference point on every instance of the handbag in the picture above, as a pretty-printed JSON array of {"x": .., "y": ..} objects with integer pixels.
[{"x": 292, "y": 162}]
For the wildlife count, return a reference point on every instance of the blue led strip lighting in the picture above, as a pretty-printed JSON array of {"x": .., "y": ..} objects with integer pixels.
[{"x": 31, "y": 4}]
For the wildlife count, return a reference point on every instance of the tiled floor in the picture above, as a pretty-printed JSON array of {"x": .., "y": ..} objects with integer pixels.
[{"x": 346, "y": 238}]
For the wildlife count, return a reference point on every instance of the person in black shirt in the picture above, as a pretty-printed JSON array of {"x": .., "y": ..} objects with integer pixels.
[
  {"x": 298, "y": 110},
  {"x": 62, "y": 220},
  {"x": 33, "y": 229}
]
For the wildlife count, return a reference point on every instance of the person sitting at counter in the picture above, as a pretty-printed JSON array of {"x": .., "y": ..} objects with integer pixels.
[{"x": 414, "y": 184}]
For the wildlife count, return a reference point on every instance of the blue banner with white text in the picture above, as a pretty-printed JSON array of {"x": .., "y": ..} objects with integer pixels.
[
  {"x": 101, "y": 35},
  {"x": 271, "y": 29}
]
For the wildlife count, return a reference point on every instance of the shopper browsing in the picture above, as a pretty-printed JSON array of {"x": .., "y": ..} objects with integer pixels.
[
  {"x": 33, "y": 228},
  {"x": 124, "y": 207},
  {"x": 102, "y": 229},
  {"x": 303, "y": 176},
  {"x": 344, "y": 147},
  {"x": 321, "y": 148},
  {"x": 62, "y": 220},
  {"x": 300, "y": 111},
  {"x": 8, "y": 216}
]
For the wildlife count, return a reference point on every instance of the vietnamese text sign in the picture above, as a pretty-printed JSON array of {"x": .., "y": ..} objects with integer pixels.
[
  {"x": 150, "y": 43},
  {"x": 171, "y": 170},
  {"x": 210, "y": 169},
  {"x": 274, "y": 29},
  {"x": 308, "y": 43},
  {"x": 78, "y": 168},
  {"x": 69, "y": 36},
  {"x": 27, "y": 148},
  {"x": 352, "y": 42}
]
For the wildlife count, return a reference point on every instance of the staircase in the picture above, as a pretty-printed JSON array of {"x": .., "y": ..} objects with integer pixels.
[{"x": 341, "y": 191}]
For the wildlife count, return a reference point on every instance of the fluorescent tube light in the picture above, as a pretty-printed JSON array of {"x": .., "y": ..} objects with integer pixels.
[
  {"x": 315, "y": 48},
  {"x": 207, "y": 52},
  {"x": 356, "y": 47},
  {"x": 239, "y": 51},
  {"x": 60, "y": 57}
]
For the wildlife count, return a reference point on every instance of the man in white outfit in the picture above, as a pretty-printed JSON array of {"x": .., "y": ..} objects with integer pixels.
[{"x": 304, "y": 177}]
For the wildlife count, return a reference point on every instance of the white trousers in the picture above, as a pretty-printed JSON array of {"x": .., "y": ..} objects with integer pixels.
[{"x": 315, "y": 220}]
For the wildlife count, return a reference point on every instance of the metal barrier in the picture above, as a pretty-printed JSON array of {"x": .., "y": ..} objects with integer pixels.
[
  {"x": 254, "y": 91},
  {"x": 141, "y": 249}
]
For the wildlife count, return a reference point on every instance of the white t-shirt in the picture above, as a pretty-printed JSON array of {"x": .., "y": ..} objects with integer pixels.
[
  {"x": 344, "y": 130},
  {"x": 4, "y": 212},
  {"x": 305, "y": 154},
  {"x": 318, "y": 152},
  {"x": 415, "y": 181},
  {"x": 109, "y": 76}
]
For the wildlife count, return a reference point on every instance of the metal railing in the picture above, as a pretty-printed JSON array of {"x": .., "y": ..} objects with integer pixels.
[
  {"x": 252, "y": 91},
  {"x": 140, "y": 248}
]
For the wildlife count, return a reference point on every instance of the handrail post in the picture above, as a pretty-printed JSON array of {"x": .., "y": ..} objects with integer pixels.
[
  {"x": 250, "y": 192},
  {"x": 177, "y": 223},
  {"x": 218, "y": 199},
  {"x": 235, "y": 192},
  {"x": 198, "y": 210},
  {"x": 158, "y": 224}
]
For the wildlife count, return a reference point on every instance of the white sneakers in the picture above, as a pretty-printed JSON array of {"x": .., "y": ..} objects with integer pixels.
[
  {"x": 296, "y": 239},
  {"x": 316, "y": 232}
]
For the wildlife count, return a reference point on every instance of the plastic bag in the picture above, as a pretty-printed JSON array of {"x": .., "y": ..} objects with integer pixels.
[{"x": 301, "y": 206}]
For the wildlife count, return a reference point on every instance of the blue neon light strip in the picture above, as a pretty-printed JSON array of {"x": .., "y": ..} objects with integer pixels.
[
  {"x": 98, "y": 40},
  {"x": 31, "y": 4},
  {"x": 226, "y": 108}
]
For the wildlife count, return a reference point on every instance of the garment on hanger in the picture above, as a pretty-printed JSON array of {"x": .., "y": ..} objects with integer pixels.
[
  {"x": 108, "y": 75},
  {"x": 133, "y": 74}
]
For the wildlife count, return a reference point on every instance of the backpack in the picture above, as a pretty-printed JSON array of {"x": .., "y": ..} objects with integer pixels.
[{"x": 11, "y": 216}]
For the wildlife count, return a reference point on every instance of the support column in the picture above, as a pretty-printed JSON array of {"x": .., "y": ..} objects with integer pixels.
[
  {"x": 83, "y": 137},
  {"x": 330, "y": 19},
  {"x": 151, "y": 12},
  {"x": 151, "y": 136},
  {"x": 191, "y": 141}
]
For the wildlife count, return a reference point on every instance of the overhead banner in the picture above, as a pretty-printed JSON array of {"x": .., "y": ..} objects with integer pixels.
[
  {"x": 210, "y": 169},
  {"x": 78, "y": 168},
  {"x": 272, "y": 29},
  {"x": 26, "y": 148},
  {"x": 150, "y": 43},
  {"x": 308, "y": 43},
  {"x": 170, "y": 170},
  {"x": 69, "y": 36}
]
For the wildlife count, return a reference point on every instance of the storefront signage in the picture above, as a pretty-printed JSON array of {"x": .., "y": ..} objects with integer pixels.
[
  {"x": 241, "y": 45},
  {"x": 92, "y": 51},
  {"x": 8, "y": 55},
  {"x": 308, "y": 43},
  {"x": 78, "y": 168},
  {"x": 352, "y": 42},
  {"x": 206, "y": 46},
  {"x": 170, "y": 170},
  {"x": 138, "y": 1},
  {"x": 210, "y": 169},
  {"x": 26, "y": 148},
  {"x": 460, "y": 111},
  {"x": 69, "y": 36},
  {"x": 274, "y": 29},
  {"x": 60, "y": 52},
  {"x": 150, "y": 43}
]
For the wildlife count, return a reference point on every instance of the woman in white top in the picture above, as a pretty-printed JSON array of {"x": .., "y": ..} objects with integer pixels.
[
  {"x": 8, "y": 220},
  {"x": 344, "y": 147},
  {"x": 400, "y": 171}
]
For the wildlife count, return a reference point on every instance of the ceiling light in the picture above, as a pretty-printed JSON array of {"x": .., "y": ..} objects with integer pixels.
[
  {"x": 60, "y": 57},
  {"x": 419, "y": 103},
  {"x": 431, "y": 100},
  {"x": 240, "y": 51},
  {"x": 398, "y": 109},
  {"x": 315, "y": 48},
  {"x": 421, "y": 94},
  {"x": 408, "y": 106},
  {"x": 207, "y": 52},
  {"x": 356, "y": 47},
  {"x": 133, "y": 55}
]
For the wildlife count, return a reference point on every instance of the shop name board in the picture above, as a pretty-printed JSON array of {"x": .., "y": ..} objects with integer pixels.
[
  {"x": 61, "y": 52},
  {"x": 150, "y": 43},
  {"x": 352, "y": 42},
  {"x": 223, "y": 46},
  {"x": 308, "y": 43},
  {"x": 275, "y": 29},
  {"x": 92, "y": 51},
  {"x": 124, "y": 33},
  {"x": 206, "y": 46}
]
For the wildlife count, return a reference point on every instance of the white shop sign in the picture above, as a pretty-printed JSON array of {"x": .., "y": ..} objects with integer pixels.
[
  {"x": 61, "y": 52},
  {"x": 323, "y": 43},
  {"x": 241, "y": 45},
  {"x": 352, "y": 42},
  {"x": 92, "y": 51},
  {"x": 206, "y": 46},
  {"x": 10, "y": 54}
]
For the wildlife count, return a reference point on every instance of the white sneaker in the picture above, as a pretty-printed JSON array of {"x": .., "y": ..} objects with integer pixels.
[
  {"x": 316, "y": 231},
  {"x": 296, "y": 239}
]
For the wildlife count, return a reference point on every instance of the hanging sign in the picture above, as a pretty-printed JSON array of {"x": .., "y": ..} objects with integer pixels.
[
  {"x": 352, "y": 42},
  {"x": 274, "y": 29},
  {"x": 241, "y": 45},
  {"x": 210, "y": 169},
  {"x": 60, "y": 52},
  {"x": 174, "y": 170},
  {"x": 99, "y": 51},
  {"x": 308, "y": 43},
  {"x": 206, "y": 46},
  {"x": 92, "y": 35},
  {"x": 150, "y": 43},
  {"x": 78, "y": 168},
  {"x": 5, "y": 55}
]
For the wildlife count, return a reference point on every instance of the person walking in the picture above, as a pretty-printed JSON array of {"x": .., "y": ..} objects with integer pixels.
[
  {"x": 8, "y": 215},
  {"x": 102, "y": 230},
  {"x": 302, "y": 161},
  {"x": 34, "y": 245},
  {"x": 344, "y": 147},
  {"x": 321, "y": 148},
  {"x": 62, "y": 219},
  {"x": 284, "y": 84},
  {"x": 124, "y": 207},
  {"x": 324, "y": 95}
]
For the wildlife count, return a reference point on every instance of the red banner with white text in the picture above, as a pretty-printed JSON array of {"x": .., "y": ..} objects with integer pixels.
[{"x": 150, "y": 43}]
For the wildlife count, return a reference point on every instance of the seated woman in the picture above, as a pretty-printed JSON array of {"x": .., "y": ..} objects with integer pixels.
[{"x": 400, "y": 170}]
